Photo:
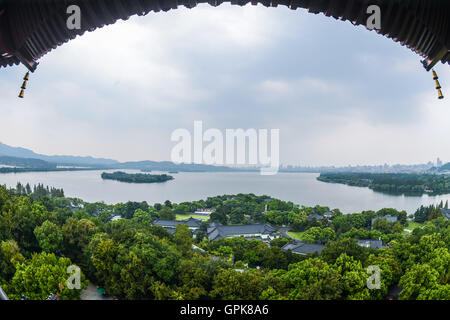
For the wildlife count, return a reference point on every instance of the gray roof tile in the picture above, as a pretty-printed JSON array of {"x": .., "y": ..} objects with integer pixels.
[
  {"x": 301, "y": 247},
  {"x": 221, "y": 231},
  {"x": 191, "y": 222},
  {"x": 446, "y": 213},
  {"x": 370, "y": 243}
]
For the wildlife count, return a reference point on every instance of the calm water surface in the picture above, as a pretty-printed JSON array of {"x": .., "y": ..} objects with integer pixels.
[{"x": 300, "y": 188}]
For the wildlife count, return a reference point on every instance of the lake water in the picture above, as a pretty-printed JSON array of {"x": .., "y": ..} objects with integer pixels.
[{"x": 300, "y": 188}]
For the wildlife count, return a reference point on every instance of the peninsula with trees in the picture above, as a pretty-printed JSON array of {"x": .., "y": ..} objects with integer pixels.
[{"x": 392, "y": 183}]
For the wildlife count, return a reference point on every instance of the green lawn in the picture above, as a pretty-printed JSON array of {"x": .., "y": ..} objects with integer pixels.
[
  {"x": 187, "y": 216},
  {"x": 295, "y": 235},
  {"x": 412, "y": 225}
]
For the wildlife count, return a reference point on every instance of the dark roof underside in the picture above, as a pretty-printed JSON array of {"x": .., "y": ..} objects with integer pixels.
[{"x": 31, "y": 28}]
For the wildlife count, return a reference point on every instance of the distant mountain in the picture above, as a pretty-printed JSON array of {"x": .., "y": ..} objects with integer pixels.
[
  {"x": 25, "y": 162},
  {"x": 6, "y": 150},
  {"x": 170, "y": 166},
  {"x": 22, "y": 157}
]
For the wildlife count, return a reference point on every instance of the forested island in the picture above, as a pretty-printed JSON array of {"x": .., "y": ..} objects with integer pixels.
[
  {"x": 393, "y": 183},
  {"x": 136, "y": 177},
  {"x": 42, "y": 232}
]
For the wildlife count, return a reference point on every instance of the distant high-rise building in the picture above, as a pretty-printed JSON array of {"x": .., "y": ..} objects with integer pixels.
[{"x": 438, "y": 162}]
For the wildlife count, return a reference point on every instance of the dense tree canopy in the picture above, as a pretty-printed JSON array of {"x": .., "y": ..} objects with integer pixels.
[{"x": 41, "y": 236}]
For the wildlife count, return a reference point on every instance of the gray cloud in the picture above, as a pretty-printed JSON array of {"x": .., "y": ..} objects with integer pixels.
[{"x": 339, "y": 94}]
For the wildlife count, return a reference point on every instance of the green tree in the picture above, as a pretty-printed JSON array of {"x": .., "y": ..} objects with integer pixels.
[
  {"x": 77, "y": 235},
  {"x": 9, "y": 257},
  {"x": 195, "y": 280},
  {"x": 381, "y": 224},
  {"x": 312, "y": 279},
  {"x": 49, "y": 236},
  {"x": 220, "y": 215},
  {"x": 182, "y": 239},
  {"x": 327, "y": 234},
  {"x": 237, "y": 216},
  {"x": 45, "y": 274},
  {"x": 312, "y": 234},
  {"x": 435, "y": 213},
  {"x": 279, "y": 242},
  {"x": 334, "y": 249},
  {"x": 233, "y": 285},
  {"x": 167, "y": 214},
  {"x": 397, "y": 228},
  {"x": 353, "y": 278},
  {"x": 390, "y": 272},
  {"x": 142, "y": 217},
  {"x": 23, "y": 218},
  {"x": 417, "y": 281},
  {"x": 104, "y": 253},
  {"x": 168, "y": 204}
]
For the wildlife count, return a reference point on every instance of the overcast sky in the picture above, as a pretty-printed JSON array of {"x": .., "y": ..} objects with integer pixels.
[{"x": 339, "y": 94}]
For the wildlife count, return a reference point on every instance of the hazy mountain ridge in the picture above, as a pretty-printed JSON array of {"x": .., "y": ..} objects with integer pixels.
[
  {"x": 17, "y": 156},
  {"x": 19, "y": 152},
  {"x": 149, "y": 165},
  {"x": 25, "y": 162},
  {"x": 23, "y": 157}
]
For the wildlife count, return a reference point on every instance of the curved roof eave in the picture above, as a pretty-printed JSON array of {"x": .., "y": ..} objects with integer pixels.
[{"x": 30, "y": 29}]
